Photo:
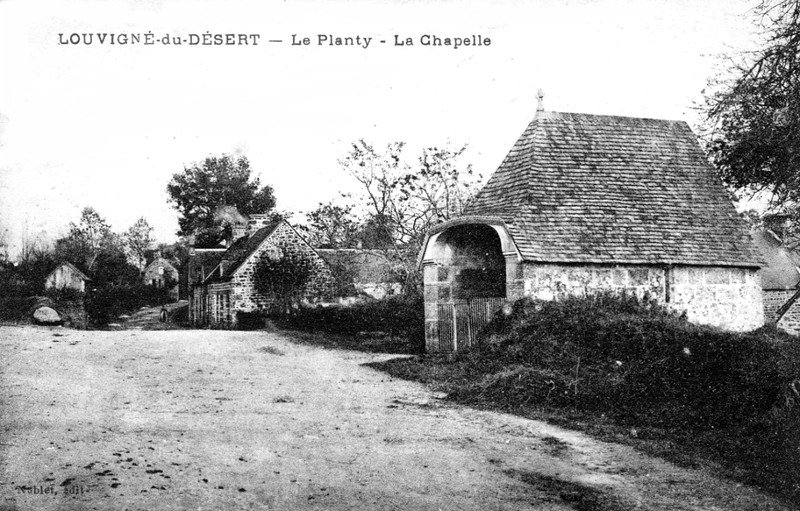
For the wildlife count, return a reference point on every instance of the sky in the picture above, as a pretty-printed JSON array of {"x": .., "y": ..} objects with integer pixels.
[{"x": 107, "y": 125}]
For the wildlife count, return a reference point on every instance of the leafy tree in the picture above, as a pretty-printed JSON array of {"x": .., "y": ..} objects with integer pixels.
[
  {"x": 283, "y": 279},
  {"x": 753, "y": 113},
  {"x": 403, "y": 201},
  {"x": 28, "y": 276},
  {"x": 202, "y": 189},
  {"x": 112, "y": 269},
  {"x": 332, "y": 225},
  {"x": 139, "y": 241},
  {"x": 86, "y": 239}
]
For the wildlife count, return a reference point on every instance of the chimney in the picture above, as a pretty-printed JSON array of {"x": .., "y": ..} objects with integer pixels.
[
  {"x": 238, "y": 230},
  {"x": 539, "y": 101},
  {"x": 257, "y": 221}
]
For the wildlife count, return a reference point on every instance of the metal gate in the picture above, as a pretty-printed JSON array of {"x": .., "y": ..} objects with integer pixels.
[{"x": 460, "y": 322}]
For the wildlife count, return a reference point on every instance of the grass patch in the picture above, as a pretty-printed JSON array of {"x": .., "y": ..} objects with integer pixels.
[
  {"x": 629, "y": 371},
  {"x": 370, "y": 344},
  {"x": 392, "y": 325},
  {"x": 271, "y": 350},
  {"x": 579, "y": 497}
]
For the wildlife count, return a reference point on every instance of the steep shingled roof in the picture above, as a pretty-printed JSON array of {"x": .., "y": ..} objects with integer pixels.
[
  {"x": 602, "y": 189},
  {"x": 241, "y": 249}
]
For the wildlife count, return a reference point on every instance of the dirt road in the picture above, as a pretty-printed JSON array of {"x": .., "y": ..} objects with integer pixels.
[{"x": 247, "y": 420}]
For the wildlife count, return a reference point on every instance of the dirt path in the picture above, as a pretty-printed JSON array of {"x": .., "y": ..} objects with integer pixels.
[
  {"x": 247, "y": 420},
  {"x": 149, "y": 318}
]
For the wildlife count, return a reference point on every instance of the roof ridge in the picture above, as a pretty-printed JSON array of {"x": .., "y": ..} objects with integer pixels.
[{"x": 547, "y": 115}]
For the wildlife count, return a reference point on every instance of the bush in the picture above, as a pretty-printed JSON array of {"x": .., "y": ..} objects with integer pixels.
[
  {"x": 250, "y": 320},
  {"x": 631, "y": 365},
  {"x": 635, "y": 358},
  {"x": 396, "y": 316},
  {"x": 105, "y": 304}
]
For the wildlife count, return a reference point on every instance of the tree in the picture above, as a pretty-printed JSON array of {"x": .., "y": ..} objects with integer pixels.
[
  {"x": 404, "y": 201},
  {"x": 202, "y": 189},
  {"x": 32, "y": 246},
  {"x": 753, "y": 113},
  {"x": 139, "y": 241},
  {"x": 283, "y": 279},
  {"x": 87, "y": 239},
  {"x": 332, "y": 225}
]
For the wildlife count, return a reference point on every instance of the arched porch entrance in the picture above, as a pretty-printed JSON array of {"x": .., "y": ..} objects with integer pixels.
[{"x": 465, "y": 267}]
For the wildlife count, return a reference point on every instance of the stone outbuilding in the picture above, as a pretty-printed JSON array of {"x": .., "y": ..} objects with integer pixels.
[
  {"x": 161, "y": 273},
  {"x": 66, "y": 276},
  {"x": 780, "y": 280},
  {"x": 229, "y": 287},
  {"x": 590, "y": 203}
]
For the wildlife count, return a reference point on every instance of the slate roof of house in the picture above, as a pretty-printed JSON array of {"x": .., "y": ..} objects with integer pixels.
[
  {"x": 364, "y": 266},
  {"x": 781, "y": 269},
  {"x": 603, "y": 189},
  {"x": 241, "y": 249}
]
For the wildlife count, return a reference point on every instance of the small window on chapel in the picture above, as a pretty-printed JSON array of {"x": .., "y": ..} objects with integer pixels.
[{"x": 161, "y": 270}]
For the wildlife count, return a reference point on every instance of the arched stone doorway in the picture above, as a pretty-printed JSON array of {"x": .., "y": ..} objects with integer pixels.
[{"x": 465, "y": 269}]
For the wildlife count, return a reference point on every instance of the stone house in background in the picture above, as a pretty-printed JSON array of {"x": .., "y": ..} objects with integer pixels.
[
  {"x": 159, "y": 273},
  {"x": 360, "y": 273},
  {"x": 66, "y": 276},
  {"x": 780, "y": 280},
  {"x": 589, "y": 203},
  {"x": 228, "y": 287}
]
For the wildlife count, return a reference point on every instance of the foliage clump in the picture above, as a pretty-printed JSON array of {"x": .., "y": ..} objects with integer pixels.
[
  {"x": 283, "y": 279},
  {"x": 401, "y": 318},
  {"x": 621, "y": 364},
  {"x": 634, "y": 358}
]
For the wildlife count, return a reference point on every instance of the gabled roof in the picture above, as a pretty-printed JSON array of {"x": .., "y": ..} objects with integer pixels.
[
  {"x": 72, "y": 267},
  {"x": 601, "y": 189},
  {"x": 241, "y": 249},
  {"x": 781, "y": 269}
]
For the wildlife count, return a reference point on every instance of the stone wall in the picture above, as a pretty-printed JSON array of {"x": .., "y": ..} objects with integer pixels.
[
  {"x": 283, "y": 240},
  {"x": 728, "y": 298},
  {"x": 556, "y": 281},
  {"x": 218, "y": 302},
  {"x": 790, "y": 321},
  {"x": 774, "y": 300}
]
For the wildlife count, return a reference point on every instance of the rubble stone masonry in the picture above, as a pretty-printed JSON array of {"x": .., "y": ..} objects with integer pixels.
[
  {"x": 283, "y": 240},
  {"x": 728, "y": 298}
]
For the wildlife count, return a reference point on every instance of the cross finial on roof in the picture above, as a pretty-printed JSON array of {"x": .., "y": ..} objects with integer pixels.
[{"x": 540, "y": 99}]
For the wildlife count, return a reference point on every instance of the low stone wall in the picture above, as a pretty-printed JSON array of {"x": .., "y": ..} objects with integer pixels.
[
  {"x": 728, "y": 298},
  {"x": 555, "y": 281}
]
